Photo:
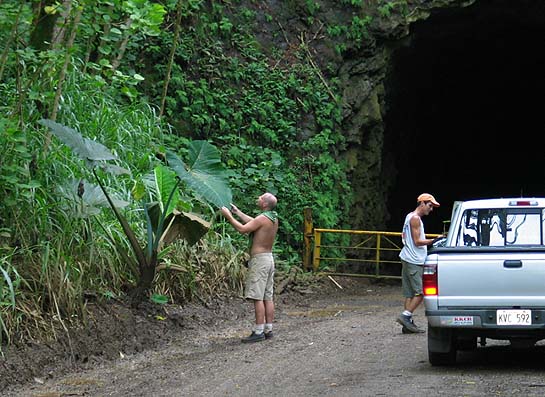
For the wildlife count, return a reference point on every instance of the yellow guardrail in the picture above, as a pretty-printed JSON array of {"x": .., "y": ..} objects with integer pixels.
[
  {"x": 358, "y": 253},
  {"x": 371, "y": 248},
  {"x": 378, "y": 249}
]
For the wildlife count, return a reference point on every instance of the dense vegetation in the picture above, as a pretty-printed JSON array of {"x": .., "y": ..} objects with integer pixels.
[{"x": 144, "y": 78}]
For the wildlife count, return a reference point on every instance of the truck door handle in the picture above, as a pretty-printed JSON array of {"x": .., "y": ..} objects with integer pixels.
[{"x": 512, "y": 264}]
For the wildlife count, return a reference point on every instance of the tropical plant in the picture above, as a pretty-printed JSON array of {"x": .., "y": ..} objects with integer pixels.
[
  {"x": 203, "y": 174},
  {"x": 7, "y": 296}
]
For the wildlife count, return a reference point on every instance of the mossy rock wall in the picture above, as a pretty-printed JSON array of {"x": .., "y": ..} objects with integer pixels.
[{"x": 361, "y": 69}]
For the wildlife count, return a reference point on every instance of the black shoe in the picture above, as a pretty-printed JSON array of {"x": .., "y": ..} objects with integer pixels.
[
  {"x": 268, "y": 335},
  {"x": 254, "y": 338},
  {"x": 406, "y": 330}
]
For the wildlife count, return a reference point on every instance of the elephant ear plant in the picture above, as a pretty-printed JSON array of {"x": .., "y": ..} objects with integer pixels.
[{"x": 203, "y": 173}]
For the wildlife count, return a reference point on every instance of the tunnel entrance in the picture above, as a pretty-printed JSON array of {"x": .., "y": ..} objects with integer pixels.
[{"x": 465, "y": 108}]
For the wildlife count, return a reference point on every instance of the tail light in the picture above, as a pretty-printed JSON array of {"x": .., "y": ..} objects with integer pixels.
[
  {"x": 518, "y": 203},
  {"x": 429, "y": 279}
]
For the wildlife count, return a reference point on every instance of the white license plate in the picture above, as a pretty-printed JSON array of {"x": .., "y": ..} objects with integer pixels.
[{"x": 514, "y": 317}]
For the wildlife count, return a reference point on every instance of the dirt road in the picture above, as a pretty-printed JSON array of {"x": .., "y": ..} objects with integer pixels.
[{"x": 345, "y": 343}]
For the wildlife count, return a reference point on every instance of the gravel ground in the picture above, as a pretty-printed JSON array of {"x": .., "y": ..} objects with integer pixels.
[{"x": 337, "y": 342}]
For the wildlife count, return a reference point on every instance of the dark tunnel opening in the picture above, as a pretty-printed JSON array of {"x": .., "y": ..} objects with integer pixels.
[{"x": 465, "y": 108}]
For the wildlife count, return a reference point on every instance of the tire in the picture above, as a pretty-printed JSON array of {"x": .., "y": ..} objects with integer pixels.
[
  {"x": 442, "y": 359},
  {"x": 441, "y": 346},
  {"x": 467, "y": 343}
]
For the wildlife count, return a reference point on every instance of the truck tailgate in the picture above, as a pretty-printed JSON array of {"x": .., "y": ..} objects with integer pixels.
[{"x": 491, "y": 280}]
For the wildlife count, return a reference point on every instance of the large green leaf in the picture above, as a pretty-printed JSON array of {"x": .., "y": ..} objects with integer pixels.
[
  {"x": 11, "y": 296},
  {"x": 204, "y": 173},
  {"x": 165, "y": 183},
  {"x": 87, "y": 198},
  {"x": 85, "y": 148}
]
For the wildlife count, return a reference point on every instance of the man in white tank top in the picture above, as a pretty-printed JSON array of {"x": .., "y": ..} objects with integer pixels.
[{"x": 413, "y": 255}]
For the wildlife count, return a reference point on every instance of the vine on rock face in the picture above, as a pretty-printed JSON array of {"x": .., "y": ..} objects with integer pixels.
[{"x": 271, "y": 112}]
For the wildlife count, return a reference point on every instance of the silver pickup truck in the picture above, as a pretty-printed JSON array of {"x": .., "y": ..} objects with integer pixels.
[{"x": 486, "y": 278}]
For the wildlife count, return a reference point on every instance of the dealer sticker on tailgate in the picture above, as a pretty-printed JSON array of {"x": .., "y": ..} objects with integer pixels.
[{"x": 514, "y": 317}]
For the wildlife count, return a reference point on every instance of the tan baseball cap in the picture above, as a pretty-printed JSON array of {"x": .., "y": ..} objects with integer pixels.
[{"x": 428, "y": 197}]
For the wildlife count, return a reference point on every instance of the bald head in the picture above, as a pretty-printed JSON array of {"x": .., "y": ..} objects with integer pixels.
[{"x": 269, "y": 200}]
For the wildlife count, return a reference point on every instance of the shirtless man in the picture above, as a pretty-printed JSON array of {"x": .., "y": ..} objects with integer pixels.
[{"x": 260, "y": 277}]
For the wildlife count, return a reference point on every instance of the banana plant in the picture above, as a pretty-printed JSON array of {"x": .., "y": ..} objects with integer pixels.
[{"x": 203, "y": 173}]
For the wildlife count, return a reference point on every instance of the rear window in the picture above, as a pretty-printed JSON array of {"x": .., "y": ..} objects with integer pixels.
[{"x": 501, "y": 227}]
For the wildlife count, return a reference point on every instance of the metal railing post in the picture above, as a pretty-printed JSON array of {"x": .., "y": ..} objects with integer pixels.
[
  {"x": 307, "y": 238},
  {"x": 377, "y": 256},
  {"x": 316, "y": 254}
]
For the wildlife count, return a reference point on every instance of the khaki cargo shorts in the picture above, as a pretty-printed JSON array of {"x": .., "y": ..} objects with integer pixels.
[
  {"x": 260, "y": 277},
  {"x": 411, "y": 276}
]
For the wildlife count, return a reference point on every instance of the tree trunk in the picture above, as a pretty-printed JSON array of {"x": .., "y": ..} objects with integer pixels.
[
  {"x": 145, "y": 282},
  {"x": 106, "y": 32},
  {"x": 62, "y": 75},
  {"x": 67, "y": 57},
  {"x": 59, "y": 29},
  {"x": 44, "y": 24},
  {"x": 122, "y": 46},
  {"x": 171, "y": 57}
]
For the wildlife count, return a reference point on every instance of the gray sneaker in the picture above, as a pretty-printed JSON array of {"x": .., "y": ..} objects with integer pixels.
[
  {"x": 406, "y": 322},
  {"x": 405, "y": 330},
  {"x": 420, "y": 330}
]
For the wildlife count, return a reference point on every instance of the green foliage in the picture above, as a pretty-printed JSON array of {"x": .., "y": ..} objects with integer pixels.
[
  {"x": 355, "y": 3},
  {"x": 336, "y": 30},
  {"x": 204, "y": 175},
  {"x": 270, "y": 112},
  {"x": 386, "y": 7},
  {"x": 359, "y": 28},
  {"x": 61, "y": 242},
  {"x": 159, "y": 299},
  {"x": 166, "y": 189},
  {"x": 278, "y": 127},
  {"x": 114, "y": 20},
  {"x": 7, "y": 294},
  {"x": 16, "y": 179},
  {"x": 312, "y": 7},
  {"x": 357, "y": 32},
  {"x": 204, "y": 172}
]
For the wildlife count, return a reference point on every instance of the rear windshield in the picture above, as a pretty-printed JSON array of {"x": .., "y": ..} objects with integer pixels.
[{"x": 501, "y": 227}]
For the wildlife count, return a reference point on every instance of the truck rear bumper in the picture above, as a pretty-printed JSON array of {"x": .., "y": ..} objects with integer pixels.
[{"x": 485, "y": 319}]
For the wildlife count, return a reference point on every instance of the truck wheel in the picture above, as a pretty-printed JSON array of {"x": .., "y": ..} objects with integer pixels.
[
  {"x": 467, "y": 343},
  {"x": 441, "y": 346},
  {"x": 442, "y": 359}
]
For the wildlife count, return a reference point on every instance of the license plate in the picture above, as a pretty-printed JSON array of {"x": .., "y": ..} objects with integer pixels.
[{"x": 514, "y": 317}]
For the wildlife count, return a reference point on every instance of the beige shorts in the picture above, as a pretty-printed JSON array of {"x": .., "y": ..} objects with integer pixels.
[{"x": 260, "y": 278}]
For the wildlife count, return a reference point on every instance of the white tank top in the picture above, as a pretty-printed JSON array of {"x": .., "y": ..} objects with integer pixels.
[{"x": 411, "y": 252}]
